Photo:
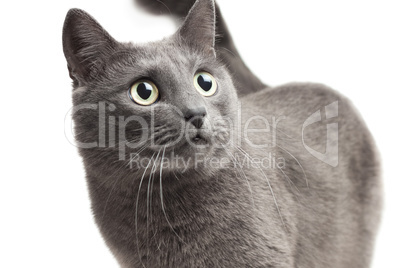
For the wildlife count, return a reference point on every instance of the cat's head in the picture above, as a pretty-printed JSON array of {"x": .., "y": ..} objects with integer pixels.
[{"x": 172, "y": 97}]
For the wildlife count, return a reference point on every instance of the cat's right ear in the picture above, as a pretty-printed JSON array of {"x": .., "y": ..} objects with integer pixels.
[
  {"x": 198, "y": 28},
  {"x": 86, "y": 46}
]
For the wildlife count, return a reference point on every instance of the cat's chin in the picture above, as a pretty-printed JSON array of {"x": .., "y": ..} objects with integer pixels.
[
  {"x": 188, "y": 155},
  {"x": 189, "y": 162},
  {"x": 190, "y": 150}
]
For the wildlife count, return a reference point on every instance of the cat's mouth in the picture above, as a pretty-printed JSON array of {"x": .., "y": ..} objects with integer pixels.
[
  {"x": 193, "y": 140},
  {"x": 199, "y": 139}
]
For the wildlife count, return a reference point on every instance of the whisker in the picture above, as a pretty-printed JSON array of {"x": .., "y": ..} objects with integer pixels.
[
  {"x": 244, "y": 175},
  {"x": 168, "y": 9},
  {"x": 136, "y": 209},
  {"x": 269, "y": 185},
  {"x": 291, "y": 184},
  {"x": 151, "y": 193},
  {"x": 288, "y": 179},
  {"x": 174, "y": 173},
  {"x": 161, "y": 195},
  {"x": 149, "y": 200},
  {"x": 288, "y": 136},
  {"x": 305, "y": 176}
]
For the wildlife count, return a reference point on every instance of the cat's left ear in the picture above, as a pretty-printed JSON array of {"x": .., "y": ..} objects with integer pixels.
[
  {"x": 86, "y": 46},
  {"x": 198, "y": 28}
]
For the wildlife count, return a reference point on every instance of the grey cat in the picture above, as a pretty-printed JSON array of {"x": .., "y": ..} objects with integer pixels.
[{"x": 191, "y": 161}]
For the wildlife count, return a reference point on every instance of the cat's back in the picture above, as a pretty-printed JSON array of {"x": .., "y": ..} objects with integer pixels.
[
  {"x": 330, "y": 170},
  {"x": 308, "y": 112}
]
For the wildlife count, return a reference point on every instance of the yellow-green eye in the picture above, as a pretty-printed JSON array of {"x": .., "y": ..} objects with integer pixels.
[
  {"x": 144, "y": 92},
  {"x": 205, "y": 84}
]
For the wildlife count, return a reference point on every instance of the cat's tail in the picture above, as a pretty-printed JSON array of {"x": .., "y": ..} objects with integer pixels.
[{"x": 246, "y": 82}]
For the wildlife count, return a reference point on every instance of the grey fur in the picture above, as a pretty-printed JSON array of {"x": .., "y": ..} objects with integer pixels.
[{"x": 308, "y": 214}]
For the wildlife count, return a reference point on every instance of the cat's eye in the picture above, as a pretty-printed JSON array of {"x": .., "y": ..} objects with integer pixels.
[
  {"x": 144, "y": 92},
  {"x": 205, "y": 84}
]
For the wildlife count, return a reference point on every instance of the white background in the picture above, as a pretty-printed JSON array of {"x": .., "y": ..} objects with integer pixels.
[{"x": 352, "y": 46}]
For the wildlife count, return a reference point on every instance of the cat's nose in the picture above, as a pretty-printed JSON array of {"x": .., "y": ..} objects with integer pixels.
[{"x": 196, "y": 116}]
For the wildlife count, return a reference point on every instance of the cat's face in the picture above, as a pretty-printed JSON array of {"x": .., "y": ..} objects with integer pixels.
[{"x": 172, "y": 97}]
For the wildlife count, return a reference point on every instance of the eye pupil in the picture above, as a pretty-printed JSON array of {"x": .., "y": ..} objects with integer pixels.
[
  {"x": 205, "y": 82},
  {"x": 144, "y": 90}
]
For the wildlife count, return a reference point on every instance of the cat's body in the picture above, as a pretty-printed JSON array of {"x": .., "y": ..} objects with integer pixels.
[
  {"x": 293, "y": 210},
  {"x": 329, "y": 223}
]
